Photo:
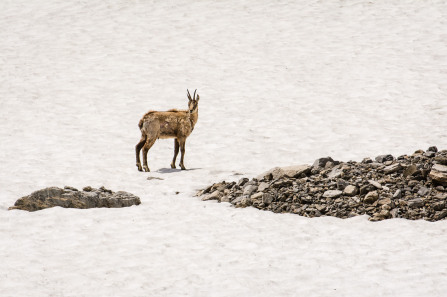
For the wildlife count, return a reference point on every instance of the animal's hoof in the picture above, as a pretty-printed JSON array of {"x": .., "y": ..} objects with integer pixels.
[
  {"x": 139, "y": 167},
  {"x": 146, "y": 168},
  {"x": 183, "y": 167},
  {"x": 173, "y": 166}
]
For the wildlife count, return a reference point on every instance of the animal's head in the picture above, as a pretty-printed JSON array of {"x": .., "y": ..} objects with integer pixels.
[{"x": 193, "y": 104}]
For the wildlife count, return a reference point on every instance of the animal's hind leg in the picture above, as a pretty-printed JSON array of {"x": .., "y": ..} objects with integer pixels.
[
  {"x": 176, "y": 148},
  {"x": 138, "y": 148},
  {"x": 149, "y": 143}
]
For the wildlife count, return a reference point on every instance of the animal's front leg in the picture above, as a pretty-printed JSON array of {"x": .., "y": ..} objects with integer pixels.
[
  {"x": 182, "y": 149},
  {"x": 176, "y": 148}
]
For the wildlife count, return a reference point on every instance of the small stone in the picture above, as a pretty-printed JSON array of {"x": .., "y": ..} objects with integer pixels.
[
  {"x": 439, "y": 215},
  {"x": 245, "y": 201},
  {"x": 306, "y": 199},
  {"x": 441, "y": 196},
  {"x": 433, "y": 149},
  {"x": 367, "y": 160},
  {"x": 423, "y": 191},
  {"x": 384, "y": 213},
  {"x": 414, "y": 203},
  {"x": 237, "y": 200},
  {"x": 371, "y": 197},
  {"x": 242, "y": 181},
  {"x": 429, "y": 154},
  {"x": 154, "y": 177},
  {"x": 341, "y": 184},
  {"x": 397, "y": 194},
  {"x": 329, "y": 165},
  {"x": 249, "y": 189},
  {"x": 356, "y": 199},
  {"x": 367, "y": 188},
  {"x": 213, "y": 196},
  {"x": 225, "y": 198},
  {"x": 70, "y": 188},
  {"x": 352, "y": 214},
  {"x": 440, "y": 188},
  {"x": 384, "y": 201},
  {"x": 87, "y": 189},
  {"x": 321, "y": 162},
  {"x": 263, "y": 186},
  {"x": 439, "y": 205},
  {"x": 440, "y": 160},
  {"x": 392, "y": 168},
  {"x": 219, "y": 187},
  {"x": 375, "y": 184},
  {"x": 383, "y": 158},
  {"x": 257, "y": 198},
  {"x": 376, "y": 165},
  {"x": 410, "y": 170},
  {"x": 350, "y": 190},
  {"x": 379, "y": 216},
  {"x": 394, "y": 213},
  {"x": 332, "y": 194},
  {"x": 335, "y": 173},
  {"x": 413, "y": 183},
  {"x": 103, "y": 189},
  {"x": 267, "y": 198}
]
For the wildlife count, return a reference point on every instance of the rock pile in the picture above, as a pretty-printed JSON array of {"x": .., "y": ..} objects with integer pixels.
[
  {"x": 411, "y": 187},
  {"x": 69, "y": 197}
]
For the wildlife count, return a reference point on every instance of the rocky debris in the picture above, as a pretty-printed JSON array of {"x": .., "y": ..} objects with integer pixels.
[
  {"x": 409, "y": 186},
  {"x": 69, "y": 197}
]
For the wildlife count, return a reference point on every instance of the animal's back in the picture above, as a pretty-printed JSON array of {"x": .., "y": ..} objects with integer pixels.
[
  {"x": 161, "y": 115},
  {"x": 169, "y": 122}
]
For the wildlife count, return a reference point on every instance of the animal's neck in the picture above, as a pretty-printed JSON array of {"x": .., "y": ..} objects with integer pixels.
[{"x": 193, "y": 117}]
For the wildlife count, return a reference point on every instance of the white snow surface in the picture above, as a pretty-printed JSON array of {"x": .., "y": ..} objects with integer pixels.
[{"x": 281, "y": 83}]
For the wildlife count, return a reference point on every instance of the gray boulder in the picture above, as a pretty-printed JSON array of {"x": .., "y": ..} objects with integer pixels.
[{"x": 70, "y": 197}]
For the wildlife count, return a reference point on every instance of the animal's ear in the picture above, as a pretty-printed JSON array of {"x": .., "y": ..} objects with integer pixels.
[{"x": 198, "y": 97}]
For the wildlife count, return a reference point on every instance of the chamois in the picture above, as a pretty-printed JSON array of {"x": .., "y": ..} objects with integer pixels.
[{"x": 177, "y": 124}]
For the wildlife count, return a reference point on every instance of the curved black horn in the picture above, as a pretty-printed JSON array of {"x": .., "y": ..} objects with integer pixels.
[
  {"x": 194, "y": 97},
  {"x": 189, "y": 95}
]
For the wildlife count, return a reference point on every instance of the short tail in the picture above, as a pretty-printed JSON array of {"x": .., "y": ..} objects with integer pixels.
[{"x": 140, "y": 123}]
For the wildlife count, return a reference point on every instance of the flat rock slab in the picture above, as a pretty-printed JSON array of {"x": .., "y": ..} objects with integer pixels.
[
  {"x": 439, "y": 174},
  {"x": 69, "y": 197},
  {"x": 288, "y": 171}
]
